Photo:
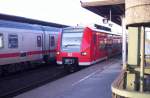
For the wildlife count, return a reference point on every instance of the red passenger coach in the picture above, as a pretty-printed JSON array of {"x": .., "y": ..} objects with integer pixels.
[{"x": 84, "y": 46}]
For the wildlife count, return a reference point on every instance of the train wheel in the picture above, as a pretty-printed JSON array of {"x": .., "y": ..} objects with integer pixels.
[
  {"x": 71, "y": 68},
  {"x": 66, "y": 68},
  {"x": 0, "y": 71},
  {"x": 45, "y": 58},
  {"x": 5, "y": 70},
  {"x": 28, "y": 65}
]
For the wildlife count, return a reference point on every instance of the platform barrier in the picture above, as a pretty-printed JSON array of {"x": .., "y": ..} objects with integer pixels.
[{"x": 118, "y": 90}]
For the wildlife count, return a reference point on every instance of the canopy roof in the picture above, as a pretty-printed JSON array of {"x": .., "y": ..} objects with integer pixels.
[{"x": 103, "y": 7}]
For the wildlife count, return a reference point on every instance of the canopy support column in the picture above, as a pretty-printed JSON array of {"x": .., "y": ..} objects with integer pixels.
[
  {"x": 142, "y": 52},
  {"x": 123, "y": 42}
]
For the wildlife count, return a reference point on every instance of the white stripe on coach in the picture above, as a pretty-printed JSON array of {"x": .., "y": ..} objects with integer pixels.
[
  {"x": 93, "y": 62},
  {"x": 86, "y": 63},
  {"x": 59, "y": 62}
]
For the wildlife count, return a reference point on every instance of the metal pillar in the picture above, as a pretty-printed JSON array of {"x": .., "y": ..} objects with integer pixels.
[
  {"x": 142, "y": 52},
  {"x": 123, "y": 42},
  {"x": 110, "y": 14}
]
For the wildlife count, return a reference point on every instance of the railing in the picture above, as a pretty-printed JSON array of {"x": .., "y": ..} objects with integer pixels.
[{"x": 119, "y": 92}]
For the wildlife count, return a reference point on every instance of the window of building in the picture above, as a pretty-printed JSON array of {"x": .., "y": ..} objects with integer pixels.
[
  {"x": 39, "y": 41},
  {"x": 12, "y": 41},
  {"x": 1, "y": 41}
]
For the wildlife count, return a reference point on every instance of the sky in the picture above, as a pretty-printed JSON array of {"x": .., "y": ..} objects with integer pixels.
[{"x": 68, "y": 12}]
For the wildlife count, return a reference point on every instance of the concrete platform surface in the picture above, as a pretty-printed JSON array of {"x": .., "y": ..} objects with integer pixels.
[{"x": 91, "y": 82}]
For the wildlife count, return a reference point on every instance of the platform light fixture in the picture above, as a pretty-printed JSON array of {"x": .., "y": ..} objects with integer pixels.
[
  {"x": 108, "y": 21},
  {"x": 105, "y": 20}
]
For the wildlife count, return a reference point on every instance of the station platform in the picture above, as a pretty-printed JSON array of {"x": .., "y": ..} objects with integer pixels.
[{"x": 91, "y": 82}]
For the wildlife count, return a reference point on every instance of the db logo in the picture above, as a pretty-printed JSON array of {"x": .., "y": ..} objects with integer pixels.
[{"x": 69, "y": 54}]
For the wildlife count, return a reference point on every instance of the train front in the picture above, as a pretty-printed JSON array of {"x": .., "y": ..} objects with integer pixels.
[{"x": 70, "y": 51}]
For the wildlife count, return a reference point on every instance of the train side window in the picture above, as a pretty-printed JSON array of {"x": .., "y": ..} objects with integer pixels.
[
  {"x": 101, "y": 44},
  {"x": 1, "y": 41},
  {"x": 39, "y": 41},
  {"x": 52, "y": 41},
  {"x": 94, "y": 39},
  {"x": 12, "y": 41}
]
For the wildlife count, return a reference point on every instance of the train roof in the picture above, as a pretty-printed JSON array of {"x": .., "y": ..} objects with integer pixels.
[
  {"x": 94, "y": 27},
  {"x": 97, "y": 26},
  {"x": 18, "y": 25},
  {"x": 29, "y": 21},
  {"x": 48, "y": 28}
]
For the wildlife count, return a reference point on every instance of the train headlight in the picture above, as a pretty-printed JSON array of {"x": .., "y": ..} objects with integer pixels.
[
  {"x": 58, "y": 53},
  {"x": 83, "y": 53}
]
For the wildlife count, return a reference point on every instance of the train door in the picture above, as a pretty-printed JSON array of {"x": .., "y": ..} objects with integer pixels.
[
  {"x": 113, "y": 44},
  {"x": 98, "y": 52},
  {"x": 31, "y": 48},
  {"x": 110, "y": 44},
  {"x": 102, "y": 45},
  {"x": 52, "y": 45},
  {"x": 94, "y": 46}
]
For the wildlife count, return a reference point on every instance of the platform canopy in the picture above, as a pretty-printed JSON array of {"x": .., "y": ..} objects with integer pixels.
[{"x": 103, "y": 7}]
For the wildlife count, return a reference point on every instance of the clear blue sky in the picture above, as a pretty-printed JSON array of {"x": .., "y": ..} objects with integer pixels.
[{"x": 67, "y": 12}]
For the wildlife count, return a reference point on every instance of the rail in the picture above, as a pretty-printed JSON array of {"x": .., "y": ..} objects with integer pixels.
[{"x": 119, "y": 92}]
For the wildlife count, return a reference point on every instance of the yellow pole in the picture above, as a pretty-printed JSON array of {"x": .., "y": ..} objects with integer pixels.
[{"x": 142, "y": 52}]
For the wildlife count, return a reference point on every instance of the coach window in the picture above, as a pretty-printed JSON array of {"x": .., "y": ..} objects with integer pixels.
[
  {"x": 101, "y": 44},
  {"x": 39, "y": 41},
  {"x": 1, "y": 41},
  {"x": 12, "y": 41},
  {"x": 94, "y": 39},
  {"x": 52, "y": 41}
]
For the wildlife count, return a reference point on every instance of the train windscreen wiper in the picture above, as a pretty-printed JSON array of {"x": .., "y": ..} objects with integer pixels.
[{"x": 71, "y": 45}]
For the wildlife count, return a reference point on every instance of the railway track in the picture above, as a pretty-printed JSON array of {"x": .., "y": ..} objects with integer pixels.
[
  {"x": 21, "y": 82},
  {"x": 18, "y": 83}
]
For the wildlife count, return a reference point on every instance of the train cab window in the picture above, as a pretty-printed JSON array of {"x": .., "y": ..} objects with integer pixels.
[
  {"x": 1, "y": 41},
  {"x": 12, "y": 41},
  {"x": 39, "y": 41},
  {"x": 52, "y": 41}
]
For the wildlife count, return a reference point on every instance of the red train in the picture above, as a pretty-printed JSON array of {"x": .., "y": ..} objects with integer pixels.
[{"x": 83, "y": 46}]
